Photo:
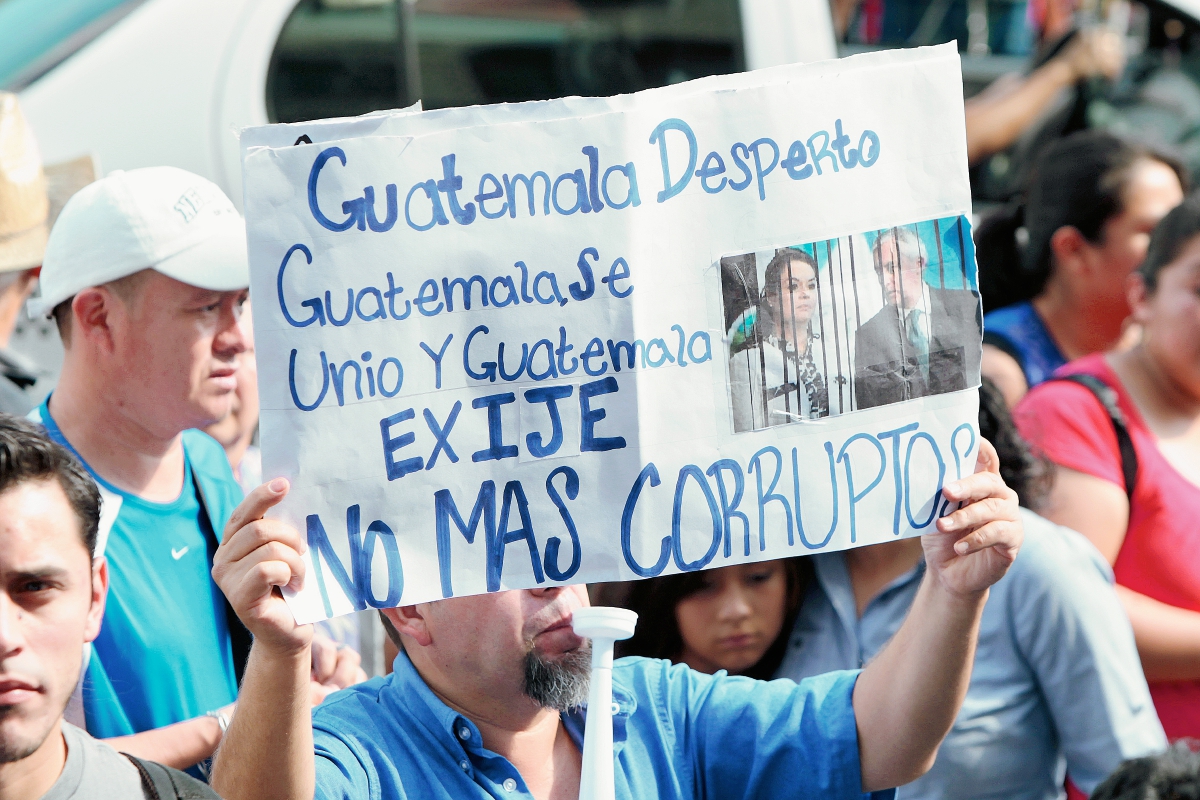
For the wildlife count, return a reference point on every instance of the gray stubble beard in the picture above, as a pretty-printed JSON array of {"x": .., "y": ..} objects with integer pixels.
[{"x": 560, "y": 684}]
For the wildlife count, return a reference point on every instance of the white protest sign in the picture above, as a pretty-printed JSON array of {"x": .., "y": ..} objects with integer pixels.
[{"x": 601, "y": 339}]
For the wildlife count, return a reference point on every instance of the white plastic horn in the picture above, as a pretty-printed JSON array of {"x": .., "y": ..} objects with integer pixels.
[{"x": 603, "y": 626}]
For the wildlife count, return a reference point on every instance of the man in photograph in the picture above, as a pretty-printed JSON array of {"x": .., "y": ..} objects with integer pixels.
[{"x": 924, "y": 340}]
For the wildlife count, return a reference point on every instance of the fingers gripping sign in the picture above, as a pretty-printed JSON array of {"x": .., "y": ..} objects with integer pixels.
[
  {"x": 257, "y": 557},
  {"x": 974, "y": 546}
]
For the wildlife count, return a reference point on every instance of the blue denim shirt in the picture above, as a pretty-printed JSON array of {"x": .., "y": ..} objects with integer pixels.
[
  {"x": 1057, "y": 684},
  {"x": 677, "y": 733}
]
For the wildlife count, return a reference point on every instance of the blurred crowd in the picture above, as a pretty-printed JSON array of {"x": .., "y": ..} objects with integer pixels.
[{"x": 1082, "y": 673}]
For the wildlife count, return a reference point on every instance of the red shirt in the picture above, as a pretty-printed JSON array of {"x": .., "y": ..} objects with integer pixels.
[{"x": 1160, "y": 556}]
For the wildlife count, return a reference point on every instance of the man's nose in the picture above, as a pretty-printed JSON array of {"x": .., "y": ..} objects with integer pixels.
[
  {"x": 231, "y": 338},
  {"x": 11, "y": 636},
  {"x": 549, "y": 594}
]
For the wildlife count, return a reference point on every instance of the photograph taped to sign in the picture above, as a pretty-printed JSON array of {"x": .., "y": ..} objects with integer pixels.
[
  {"x": 494, "y": 344},
  {"x": 825, "y": 328}
]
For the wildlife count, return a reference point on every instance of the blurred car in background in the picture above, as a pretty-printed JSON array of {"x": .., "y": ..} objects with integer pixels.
[{"x": 142, "y": 82}]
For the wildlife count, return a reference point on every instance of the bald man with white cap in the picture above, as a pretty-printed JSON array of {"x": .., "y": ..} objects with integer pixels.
[{"x": 145, "y": 274}]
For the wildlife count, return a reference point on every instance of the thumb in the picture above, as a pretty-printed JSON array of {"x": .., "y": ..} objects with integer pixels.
[{"x": 988, "y": 460}]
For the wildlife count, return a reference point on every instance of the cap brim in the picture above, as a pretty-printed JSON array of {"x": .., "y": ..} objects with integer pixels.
[
  {"x": 25, "y": 250},
  {"x": 218, "y": 262},
  {"x": 65, "y": 179}
]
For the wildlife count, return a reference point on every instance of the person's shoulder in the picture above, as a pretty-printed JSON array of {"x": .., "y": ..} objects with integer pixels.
[
  {"x": 1055, "y": 560},
  {"x": 168, "y": 783},
  {"x": 341, "y": 712},
  {"x": 1055, "y": 393},
  {"x": 959, "y": 296},
  {"x": 657, "y": 683},
  {"x": 98, "y": 764},
  {"x": 631, "y": 665},
  {"x": 1004, "y": 318},
  {"x": 210, "y": 464},
  {"x": 880, "y": 325},
  {"x": 95, "y": 750},
  {"x": 881, "y": 316},
  {"x": 633, "y": 672},
  {"x": 640, "y": 676}
]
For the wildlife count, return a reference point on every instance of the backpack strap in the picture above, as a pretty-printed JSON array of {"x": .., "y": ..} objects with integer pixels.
[
  {"x": 156, "y": 784},
  {"x": 164, "y": 783},
  {"x": 240, "y": 639},
  {"x": 1108, "y": 399}
]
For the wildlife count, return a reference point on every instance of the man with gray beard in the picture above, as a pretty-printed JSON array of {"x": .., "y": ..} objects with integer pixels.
[{"x": 486, "y": 697}]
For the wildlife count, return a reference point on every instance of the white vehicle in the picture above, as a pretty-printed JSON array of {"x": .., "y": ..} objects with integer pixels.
[{"x": 145, "y": 82}]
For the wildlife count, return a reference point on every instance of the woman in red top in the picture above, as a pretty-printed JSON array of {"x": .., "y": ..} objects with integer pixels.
[{"x": 1153, "y": 539}]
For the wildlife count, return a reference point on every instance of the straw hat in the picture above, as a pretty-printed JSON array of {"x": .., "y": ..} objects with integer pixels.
[{"x": 30, "y": 196}]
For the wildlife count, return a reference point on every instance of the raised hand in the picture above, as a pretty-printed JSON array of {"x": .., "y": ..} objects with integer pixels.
[
  {"x": 1096, "y": 52},
  {"x": 257, "y": 556},
  {"x": 975, "y": 545}
]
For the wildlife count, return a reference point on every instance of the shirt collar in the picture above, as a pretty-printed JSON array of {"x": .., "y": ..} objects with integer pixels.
[
  {"x": 834, "y": 578},
  {"x": 409, "y": 690},
  {"x": 924, "y": 306}
]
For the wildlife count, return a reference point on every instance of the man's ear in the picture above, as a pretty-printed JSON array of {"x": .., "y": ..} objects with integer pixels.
[
  {"x": 1138, "y": 296},
  {"x": 99, "y": 594},
  {"x": 1069, "y": 248},
  {"x": 410, "y": 621},
  {"x": 92, "y": 310}
]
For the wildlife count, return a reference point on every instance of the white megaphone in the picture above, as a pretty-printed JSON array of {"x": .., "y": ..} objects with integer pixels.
[{"x": 603, "y": 626}]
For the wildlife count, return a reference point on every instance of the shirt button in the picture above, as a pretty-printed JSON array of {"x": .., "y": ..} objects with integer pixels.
[
  {"x": 510, "y": 785},
  {"x": 464, "y": 733},
  {"x": 616, "y": 708},
  {"x": 466, "y": 765}
]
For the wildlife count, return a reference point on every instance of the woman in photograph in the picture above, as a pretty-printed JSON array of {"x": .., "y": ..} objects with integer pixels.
[{"x": 774, "y": 379}]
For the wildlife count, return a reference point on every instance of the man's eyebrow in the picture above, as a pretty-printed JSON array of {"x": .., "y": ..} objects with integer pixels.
[
  {"x": 198, "y": 299},
  {"x": 48, "y": 572}
]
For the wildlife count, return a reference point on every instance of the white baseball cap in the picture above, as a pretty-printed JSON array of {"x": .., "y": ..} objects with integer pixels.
[{"x": 165, "y": 218}]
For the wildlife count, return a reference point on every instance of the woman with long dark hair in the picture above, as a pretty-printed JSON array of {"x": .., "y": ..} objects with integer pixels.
[
  {"x": 1093, "y": 201},
  {"x": 1128, "y": 452}
]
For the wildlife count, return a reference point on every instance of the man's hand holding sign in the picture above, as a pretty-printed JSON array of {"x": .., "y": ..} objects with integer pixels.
[{"x": 482, "y": 400}]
